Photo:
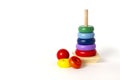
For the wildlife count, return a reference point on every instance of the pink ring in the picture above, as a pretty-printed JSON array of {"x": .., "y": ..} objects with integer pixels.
[{"x": 86, "y": 47}]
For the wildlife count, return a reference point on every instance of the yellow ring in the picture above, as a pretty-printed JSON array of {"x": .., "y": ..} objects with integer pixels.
[{"x": 63, "y": 63}]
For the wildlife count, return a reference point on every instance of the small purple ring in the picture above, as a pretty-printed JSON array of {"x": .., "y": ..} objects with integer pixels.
[{"x": 86, "y": 47}]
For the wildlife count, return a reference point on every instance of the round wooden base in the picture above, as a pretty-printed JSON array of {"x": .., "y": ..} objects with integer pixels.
[{"x": 88, "y": 60}]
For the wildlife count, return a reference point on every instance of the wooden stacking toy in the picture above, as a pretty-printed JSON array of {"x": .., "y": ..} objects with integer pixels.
[{"x": 86, "y": 47}]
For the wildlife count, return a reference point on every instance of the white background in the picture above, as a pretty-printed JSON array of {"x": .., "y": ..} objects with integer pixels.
[{"x": 32, "y": 31}]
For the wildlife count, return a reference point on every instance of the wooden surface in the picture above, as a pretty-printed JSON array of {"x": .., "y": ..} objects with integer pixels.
[{"x": 88, "y": 60}]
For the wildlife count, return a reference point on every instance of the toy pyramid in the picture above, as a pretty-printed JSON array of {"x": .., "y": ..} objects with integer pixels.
[{"x": 86, "y": 47}]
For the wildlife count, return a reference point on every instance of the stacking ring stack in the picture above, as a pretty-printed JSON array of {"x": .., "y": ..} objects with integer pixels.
[
  {"x": 86, "y": 47},
  {"x": 86, "y": 42}
]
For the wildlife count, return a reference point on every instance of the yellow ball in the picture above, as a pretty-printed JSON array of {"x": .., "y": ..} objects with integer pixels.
[{"x": 63, "y": 63}]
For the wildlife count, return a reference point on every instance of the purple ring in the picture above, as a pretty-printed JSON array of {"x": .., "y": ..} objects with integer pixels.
[{"x": 86, "y": 47}]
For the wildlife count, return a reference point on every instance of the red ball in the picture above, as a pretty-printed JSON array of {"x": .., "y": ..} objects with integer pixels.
[
  {"x": 85, "y": 53},
  {"x": 62, "y": 53},
  {"x": 75, "y": 62}
]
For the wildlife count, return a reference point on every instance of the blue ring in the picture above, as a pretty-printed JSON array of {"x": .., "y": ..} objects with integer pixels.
[
  {"x": 85, "y": 35},
  {"x": 85, "y": 41}
]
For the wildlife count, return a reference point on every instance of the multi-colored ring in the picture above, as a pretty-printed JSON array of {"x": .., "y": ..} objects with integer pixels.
[
  {"x": 86, "y": 47},
  {"x": 82, "y": 53},
  {"x": 86, "y": 41},
  {"x": 85, "y": 35},
  {"x": 86, "y": 29}
]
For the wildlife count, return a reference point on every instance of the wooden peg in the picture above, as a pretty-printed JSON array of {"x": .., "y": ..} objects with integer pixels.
[{"x": 86, "y": 17}]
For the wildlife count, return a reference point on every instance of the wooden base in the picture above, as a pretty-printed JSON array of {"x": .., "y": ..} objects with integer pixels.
[{"x": 88, "y": 60}]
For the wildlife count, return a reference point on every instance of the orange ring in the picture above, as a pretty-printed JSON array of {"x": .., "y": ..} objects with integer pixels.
[{"x": 75, "y": 62}]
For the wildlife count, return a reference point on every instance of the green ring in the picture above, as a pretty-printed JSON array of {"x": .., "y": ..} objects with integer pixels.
[{"x": 86, "y": 29}]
